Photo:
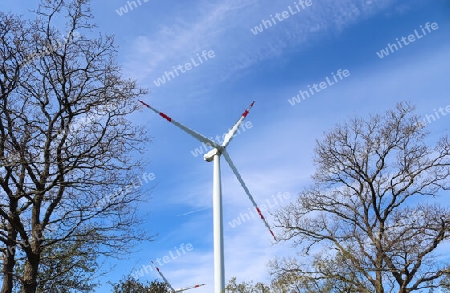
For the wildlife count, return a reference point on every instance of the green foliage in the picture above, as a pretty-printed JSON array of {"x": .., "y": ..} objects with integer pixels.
[
  {"x": 130, "y": 285},
  {"x": 69, "y": 267},
  {"x": 246, "y": 287}
]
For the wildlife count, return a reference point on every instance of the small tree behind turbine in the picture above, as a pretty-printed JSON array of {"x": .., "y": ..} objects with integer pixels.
[{"x": 170, "y": 286}]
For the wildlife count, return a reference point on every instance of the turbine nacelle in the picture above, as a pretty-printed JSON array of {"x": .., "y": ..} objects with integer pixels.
[{"x": 209, "y": 156}]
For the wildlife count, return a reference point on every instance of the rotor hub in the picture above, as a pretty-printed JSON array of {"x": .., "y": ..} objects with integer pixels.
[{"x": 209, "y": 156}]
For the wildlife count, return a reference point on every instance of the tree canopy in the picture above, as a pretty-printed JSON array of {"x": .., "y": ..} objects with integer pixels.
[
  {"x": 130, "y": 285},
  {"x": 371, "y": 221},
  {"x": 68, "y": 152}
]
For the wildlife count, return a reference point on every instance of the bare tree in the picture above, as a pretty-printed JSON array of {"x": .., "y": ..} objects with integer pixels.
[
  {"x": 371, "y": 222},
  {"x": 68, "y": 153},
  {"x": 9, "y": 30}
]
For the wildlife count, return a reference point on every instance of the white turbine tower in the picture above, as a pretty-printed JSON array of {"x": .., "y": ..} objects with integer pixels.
[
  {"x": 170, "y": 286},
  {"x": 214, "y": 155}
]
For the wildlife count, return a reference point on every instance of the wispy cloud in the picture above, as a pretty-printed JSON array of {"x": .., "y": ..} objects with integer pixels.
[
  {"x": 225, "y": 28},
  {"x": 194, "y": 211}
]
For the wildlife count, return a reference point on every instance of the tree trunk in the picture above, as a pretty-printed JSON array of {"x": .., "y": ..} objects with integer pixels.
[
  {"x": 9, "y": 261},
  {"x": 30, "y": 275}
]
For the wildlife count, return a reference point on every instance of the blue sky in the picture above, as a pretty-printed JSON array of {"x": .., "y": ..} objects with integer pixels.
[{"x": 275, "y": 154}]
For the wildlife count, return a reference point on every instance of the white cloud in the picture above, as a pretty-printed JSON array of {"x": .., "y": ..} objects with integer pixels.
[{"x": 225, "y": 28}]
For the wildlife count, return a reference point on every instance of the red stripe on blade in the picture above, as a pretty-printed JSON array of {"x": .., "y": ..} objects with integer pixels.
[
  {"x": 259, "y": 212},
  {"x": 245, "y": 113},
  {"x": 165, "y": 117},
  {"x": 144, "y": 103}
]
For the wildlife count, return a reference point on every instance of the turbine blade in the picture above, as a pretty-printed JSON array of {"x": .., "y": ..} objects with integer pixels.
[
  {"x": 232, "y": 131},
  {"x": 191, "y": 287},
  {"x": 235, "y": 171},
  {"x": 193, "y": 133},
  {"x": 164, "y": 278}
]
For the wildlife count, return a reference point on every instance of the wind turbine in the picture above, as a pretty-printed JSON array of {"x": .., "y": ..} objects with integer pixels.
[
  {"x": 170, "y": 286},
  {"x": 214, "y": 155}
]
